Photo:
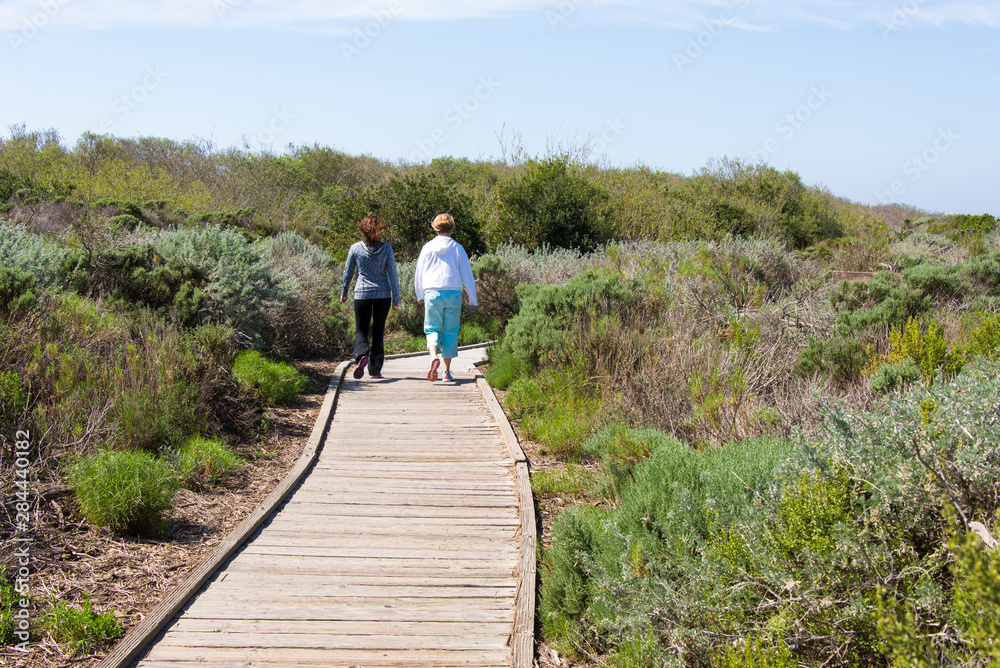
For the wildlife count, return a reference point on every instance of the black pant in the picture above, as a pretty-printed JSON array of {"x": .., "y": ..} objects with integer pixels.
[{"x": 370, "y": 314}]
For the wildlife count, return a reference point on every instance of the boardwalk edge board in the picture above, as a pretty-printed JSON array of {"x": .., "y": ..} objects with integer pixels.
[
  {"x": 523, "y": 635},
  {"x": 140, "y": 635}
]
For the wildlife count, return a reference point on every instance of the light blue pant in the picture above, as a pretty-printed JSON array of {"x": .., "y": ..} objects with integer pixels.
[{"x": 442, "y": 317}]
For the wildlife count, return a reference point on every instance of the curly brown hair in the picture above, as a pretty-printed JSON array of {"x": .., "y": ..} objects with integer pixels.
[{"x": 371, "y": 229}]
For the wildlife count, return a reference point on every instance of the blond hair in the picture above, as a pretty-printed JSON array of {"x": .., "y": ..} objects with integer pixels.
[{"x": 444, "y": 224}]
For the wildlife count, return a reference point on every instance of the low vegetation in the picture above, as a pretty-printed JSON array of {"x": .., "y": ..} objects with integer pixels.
[
  {"x": 761, "y": 464},
  {"x": 80, "y": 630},
  {"x": 773, "y": 469}
]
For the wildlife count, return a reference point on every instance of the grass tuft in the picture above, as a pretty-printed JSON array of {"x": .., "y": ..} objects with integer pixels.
[
  {"x": 127, "y": 492},
  {"x": 201, "y": 459},
  {"x": 276, "y": 382},
  {"x": 81, "y": 630}
]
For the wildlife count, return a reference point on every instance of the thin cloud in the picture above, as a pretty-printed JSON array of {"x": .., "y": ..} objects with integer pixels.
[{"x": 314, "y": 15}]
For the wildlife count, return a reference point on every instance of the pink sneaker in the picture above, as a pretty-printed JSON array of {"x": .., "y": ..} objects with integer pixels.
[{"x": 432, "y": 372}]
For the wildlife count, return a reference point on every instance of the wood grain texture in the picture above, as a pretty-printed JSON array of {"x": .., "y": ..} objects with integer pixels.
[{"x": 405, "y": 545}]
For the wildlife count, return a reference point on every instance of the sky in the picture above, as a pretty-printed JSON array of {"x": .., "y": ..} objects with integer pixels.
[{"x": 879, "y": 102}]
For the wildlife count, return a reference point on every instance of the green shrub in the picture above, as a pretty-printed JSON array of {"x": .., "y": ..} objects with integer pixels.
[
  {"x": 549, "y": 203},
  {"x": 548, "y": 313},
  {"x": 408, "y": 203},
  {"x": 471, "y": 333},
  {"x": 201, "y": 459},
  {"x": 155, "y": 415},
  {"x": 12, "y": 397},
  {"x": 504, "y": 368},
  {"x": 11, "y": 183},
  {"x": 755, "y": 653},
  {"x": 925, "y": 345},
  {"x": 986, "y": 270},
  {"x": 276, "y": 382},
  {"x": 934, "y": 281},
  {"x": 879, "y": 302},
  {"x": 838, "y": 358},
  {"x": 611, "y": 573},
  {"x": 891, "y": 377},
  {"x": 984, "y": 339},
  {"x": 123, "y": 207},
  {"x": 963, "y": 227},
  {"x": 141, "y": 276},
  {"x": 620, "y": 450},
  {"x": 16, "y": 290},
  {"x": 909, "y": 632},
  {"x": 240, "y": 282},
  {"x": 809, "y": 514},
  {"x": 496, "y": 288},
  {"x": 642, "y": 651},
  {"x": 976, "y": 595},
  {"x": 127, "y": 492},
  {"x": 81, "y": 630},
  {"x": 217, "y": 342}
]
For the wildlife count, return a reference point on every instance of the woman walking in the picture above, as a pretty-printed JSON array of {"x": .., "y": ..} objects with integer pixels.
[
  {"x": 442, "y": 269},
  {"x": 376, "y": 290}
]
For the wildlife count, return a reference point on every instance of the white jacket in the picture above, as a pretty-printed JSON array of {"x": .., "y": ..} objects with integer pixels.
[{"x": 443, "y": 265}]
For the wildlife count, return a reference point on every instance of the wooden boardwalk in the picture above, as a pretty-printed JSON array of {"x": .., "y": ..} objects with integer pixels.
[{"x": 401, "y": 547}]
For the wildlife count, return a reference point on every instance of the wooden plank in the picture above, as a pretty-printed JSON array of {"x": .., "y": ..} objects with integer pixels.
[
  {"x": 331, "y": 462},
  {"x": 378, "y": 553},
  {"x": 133, "y": 642},
  {"x": 471, "y": 543},
  {"x": 266, "y": 587},
  {"x": 403, "y": 567},
  {"x": 468, "y": 469},
  {"x": 318, "y": 657},
  {"x": 329, "y": 641},
  {"x": 328, "y": 516},
  {"x": 400, "y": 629},
  {"x": 372, "y": 510},
  {"x": 391, "y": 579},
  {"x": 392, "y": 498},
  {"x": 347, "y": 609},
  {"x": 307, "y": 524},
  {"x": 414, "y": 487},
  {"x": 325, "y": 480}
]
